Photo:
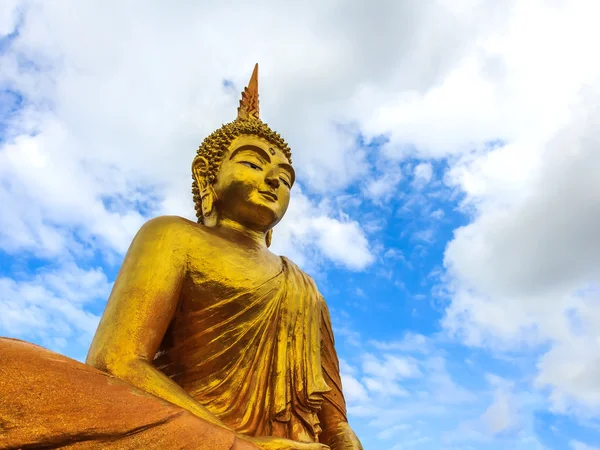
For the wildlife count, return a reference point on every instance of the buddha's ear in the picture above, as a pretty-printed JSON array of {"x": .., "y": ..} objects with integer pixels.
[
  {"x": 269, "y": 237},
  {"x": 208, "y": 196},
  {"x": 200, "y": 168}
]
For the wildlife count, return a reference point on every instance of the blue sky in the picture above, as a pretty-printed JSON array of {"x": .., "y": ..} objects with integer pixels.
[{"x": 446, "y": 204}]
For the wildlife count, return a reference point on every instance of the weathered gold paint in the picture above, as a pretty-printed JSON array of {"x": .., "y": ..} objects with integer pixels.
[{"x": 204, "y": 316}]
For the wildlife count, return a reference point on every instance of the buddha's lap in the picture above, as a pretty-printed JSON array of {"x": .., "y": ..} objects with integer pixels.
[{"x": 48, "y": 399}]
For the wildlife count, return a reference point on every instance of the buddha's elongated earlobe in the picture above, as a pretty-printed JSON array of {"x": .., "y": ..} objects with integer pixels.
[
  {"x": 208, "y": 196},
  {"x": 200, "y": 168},
  {"x": 269, "y": 237}
]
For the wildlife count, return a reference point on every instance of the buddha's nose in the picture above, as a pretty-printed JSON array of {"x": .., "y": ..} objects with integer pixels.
[{"x": 272, "y": 181}]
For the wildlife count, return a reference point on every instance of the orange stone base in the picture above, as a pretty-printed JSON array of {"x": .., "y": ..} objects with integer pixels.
[{"x": 50, "y": 401}]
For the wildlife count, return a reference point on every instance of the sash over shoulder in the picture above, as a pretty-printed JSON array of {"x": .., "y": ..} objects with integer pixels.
[{"x": 254, "y": 358}]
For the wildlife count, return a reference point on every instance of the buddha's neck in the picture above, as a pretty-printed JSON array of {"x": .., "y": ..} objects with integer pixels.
[{"x": 254, "y": 240}]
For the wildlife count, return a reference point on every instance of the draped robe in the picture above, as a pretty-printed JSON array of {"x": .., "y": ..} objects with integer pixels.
[{"x": 262, "y": 359}]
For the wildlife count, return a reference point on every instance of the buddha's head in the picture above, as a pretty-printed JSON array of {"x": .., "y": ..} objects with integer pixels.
[{"x": 242, "y": 171}]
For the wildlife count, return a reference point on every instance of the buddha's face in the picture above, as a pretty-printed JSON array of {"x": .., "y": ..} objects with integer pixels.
[{"x": 253, "y": 184}]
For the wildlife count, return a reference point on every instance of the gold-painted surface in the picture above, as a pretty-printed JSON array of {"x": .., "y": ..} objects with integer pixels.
[
  {"x": 204, "y": 316},
  {"x": 248, "y": 108}
]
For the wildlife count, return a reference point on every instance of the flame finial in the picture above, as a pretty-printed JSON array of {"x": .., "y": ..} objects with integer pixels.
[{"x": 248, "y": 109}]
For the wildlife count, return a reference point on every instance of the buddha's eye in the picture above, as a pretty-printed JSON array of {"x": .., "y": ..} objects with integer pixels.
[
  {"x": 251, "y": 165},
  {"x": 284, "y": 181}
]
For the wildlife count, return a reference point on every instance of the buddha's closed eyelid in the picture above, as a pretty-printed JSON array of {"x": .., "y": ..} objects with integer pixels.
[
  {"x": 286, "y": 182},
  {"x": 251, "y": 165},
  {"x": 285, "y": 178},
  {"x": 249, "y": 156}
]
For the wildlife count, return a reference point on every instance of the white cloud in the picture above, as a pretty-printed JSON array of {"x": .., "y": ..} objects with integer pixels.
[
  {"x": 390, "y": 367},
  {"x": 506, "y": 418},
  {"x": 422, "y": 174},
  {"x": 8, "y": 16},
  {"x": 384, "y": 185},
  {"x": 112, "y": 120},
  {"x": 502, "y": 86},
  {"x": 438, "y": 214},
  {"x": 47, "y": 187},
  {"x": 415, "y": 442},
  {"x": 442, "y": 384},
  {"x": 426, "y": 235},
  {"x": 310, "y": 231},
  {"x": 173, "y": 101},
  {"x": 499, "y": 415},
  {"x": 526, "y": 270},
  {"x": 405, "y": 391},
  {"x": 354, "y": 392},
  {"x": 571, "y": 369},
  {"x": 578, "y": 445},
  {"x": 389, "y": 432},
  {"x": 411, "y": 342},
  {"x": 51, "y": 307}
]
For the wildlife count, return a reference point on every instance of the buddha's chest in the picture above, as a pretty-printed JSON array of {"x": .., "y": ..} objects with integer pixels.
[{"x": 220, "y": 275}]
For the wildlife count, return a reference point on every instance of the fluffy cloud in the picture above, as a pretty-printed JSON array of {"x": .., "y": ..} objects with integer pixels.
[
  {"x": 311, "y": 232},
  {"x": 578, "y": 445},
  {"x": 410, "y": 393},
  {"x": 383, "y": 187},
  {"x": 48, "y": 192},
  {"x": 106, "y": 131},
  {"x": 526, "y": 270},
  {"x": 52, "y": 307},
  {"x": 422, "y": 174}
]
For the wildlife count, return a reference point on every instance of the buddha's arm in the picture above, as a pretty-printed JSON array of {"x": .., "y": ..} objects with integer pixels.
[
  {"x": 139, "y": 310},
  {"x": 336, "y": 431}
]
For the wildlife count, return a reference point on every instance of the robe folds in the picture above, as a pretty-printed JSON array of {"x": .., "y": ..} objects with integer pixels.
[{"x": 261, "y": 358}]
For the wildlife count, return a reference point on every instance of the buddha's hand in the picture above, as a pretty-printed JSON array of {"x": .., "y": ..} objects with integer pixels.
[
  {"x": 276, "y": 443},
  {"x": 342, "y": 437}
]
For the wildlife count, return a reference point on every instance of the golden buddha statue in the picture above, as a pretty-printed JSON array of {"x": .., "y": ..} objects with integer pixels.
[{"x": 202, "y": 319}]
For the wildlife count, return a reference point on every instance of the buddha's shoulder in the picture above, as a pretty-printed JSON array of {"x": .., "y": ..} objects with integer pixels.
[
  {"x": 174, "y": 228},
  {"x": 308, "y": 280}
]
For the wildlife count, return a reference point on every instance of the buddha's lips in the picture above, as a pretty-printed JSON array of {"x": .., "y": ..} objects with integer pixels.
[{"x": 269, "y": 195}]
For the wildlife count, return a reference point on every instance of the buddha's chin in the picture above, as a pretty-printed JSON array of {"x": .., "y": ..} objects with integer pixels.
[{"x": 265, "y": 214}]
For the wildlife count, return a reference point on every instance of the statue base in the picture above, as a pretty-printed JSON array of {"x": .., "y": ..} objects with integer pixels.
[{"x": 48, "y": 400}]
